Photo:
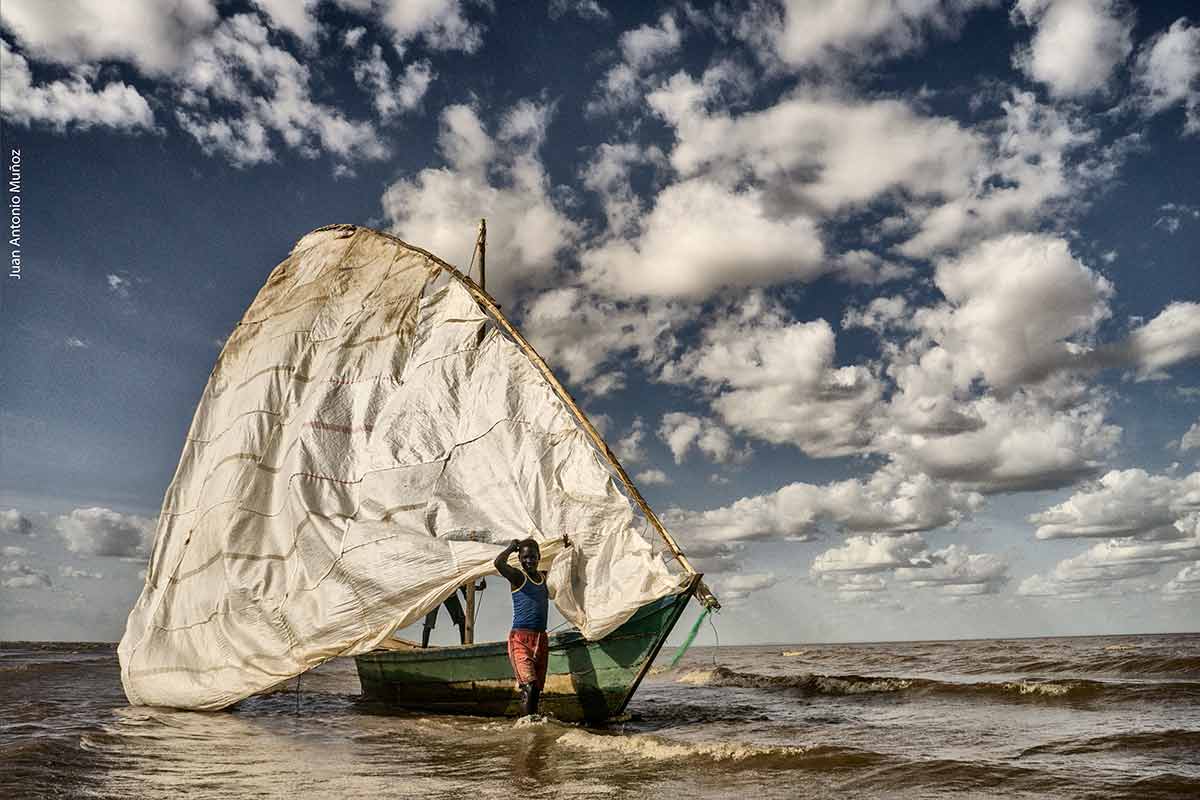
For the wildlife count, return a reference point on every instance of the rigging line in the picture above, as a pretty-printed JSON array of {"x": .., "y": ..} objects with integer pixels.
[{"x": 717, "y": 636}]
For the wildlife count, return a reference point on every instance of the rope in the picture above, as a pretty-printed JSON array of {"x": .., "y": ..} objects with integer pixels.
[
  {"x": 717, "y": 637},
  {"x": 691, "y": 637}
]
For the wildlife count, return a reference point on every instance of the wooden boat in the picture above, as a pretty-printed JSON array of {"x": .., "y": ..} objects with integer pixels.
[{"x": 585, "y": 682}]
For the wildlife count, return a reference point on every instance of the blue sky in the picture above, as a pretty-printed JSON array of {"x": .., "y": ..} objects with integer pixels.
[{"x": 890, "y": 306}]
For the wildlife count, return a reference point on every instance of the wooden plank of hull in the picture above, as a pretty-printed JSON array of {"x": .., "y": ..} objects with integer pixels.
[{"x": 585, "y": 681}]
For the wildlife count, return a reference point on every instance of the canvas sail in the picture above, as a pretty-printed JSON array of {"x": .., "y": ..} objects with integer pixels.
[{"x": 369, "y": 435}]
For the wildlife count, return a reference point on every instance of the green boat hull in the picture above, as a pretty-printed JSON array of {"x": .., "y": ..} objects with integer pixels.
[{"x": 585, "y": 681}]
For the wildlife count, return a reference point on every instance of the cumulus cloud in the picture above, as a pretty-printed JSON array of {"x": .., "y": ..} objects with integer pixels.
[
  {"x": 641, "y": 50},
  {"x": 500, "y": 178},
  {"x": 1113, "y": 567},
  {"x": 802, "y": 33},
  {"x": 653, "y": 477},
  {"x": 869, "y": 554},
  {"x": 12, "y": 551},
  {"x": 1017, "y": 308},
  {"x": 104, "y": 532},
  {"x": 1077, "y": 44},
  {"x": 738, "y": 586},
  {"x": 295, "y": 16},
  {"x": 1191, "y": 438},
  {"x": 441, "y": 24},
  {"x": 75, "y": 102},
  {"x": 1124, "y": 503},
  {"x": 630, "y": 448},
  {"x": 775, "y": 379},
  {"x": 14, "y": 523},
  {"x": 958, "y": 572},
  {"x": 813, "y": 149},
  {"x": 1171, "y": 337},
  {"x": 389, "y": 97},
  {"x": 18, "y": 575},
  {"x": 1185, "y": 582},
  {"x": 1041, "y": 161},
  {"x": 1026, "y": 442},
  {"x": 237, "y": 66},
  {"x": 888, "y": 502},
  {"x": 1166, "y": 73},
  {"x": 584, "y": 9},
  {"x": 595, "y": 340},
  {"x": 681, "y": 432},
  {"x": 701, "y": 236},
  {"x": 75, "y": 343},
  {"x": 152, "y": 34}
]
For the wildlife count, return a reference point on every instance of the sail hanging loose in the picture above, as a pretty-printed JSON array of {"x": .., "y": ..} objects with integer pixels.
[{"x": 369, "y": 434}]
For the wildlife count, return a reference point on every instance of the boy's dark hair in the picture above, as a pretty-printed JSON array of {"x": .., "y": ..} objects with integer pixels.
[{"x": 529, "y": 543}]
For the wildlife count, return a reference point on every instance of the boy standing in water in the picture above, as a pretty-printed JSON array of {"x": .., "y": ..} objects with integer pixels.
[{"x": 528, "y": 646}]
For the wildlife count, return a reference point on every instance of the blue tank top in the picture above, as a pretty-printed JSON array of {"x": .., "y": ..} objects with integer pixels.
[{"x": 530, "y": 603}]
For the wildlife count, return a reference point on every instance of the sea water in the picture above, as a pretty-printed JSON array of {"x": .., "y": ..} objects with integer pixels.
[{"x": 1072, "y": 717}]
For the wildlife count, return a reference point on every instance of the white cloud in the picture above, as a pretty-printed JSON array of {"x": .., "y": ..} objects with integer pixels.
[
  {"x": 75, "y": 342},
  {"x": 440, "y": 23},
  {"x": 888, "y": 502},
  {"x": 803, "y": 33},
  {"x": 70, "y": 103},
  {"x": 629, "y": 448},
  {"x": 23, "y": 576},
  {"x": 67, "y": 571},
  {"x": 118, "y": 285},
  {"x": 296, "y": 16},
  {"x": 14, "y": 523},
  {"x": 238, "y": 66},
  {"x": 1167, "y": 73},
  {"x": 608, "y": 174},
  {"x": 1191, "y": 438},
  {"x": 958, "y": 572},
  {"x": 1017, "y": 308},
  {"x": 1171, "y": 337},
  {"x": 1186, "y": 581},
  {"x": 1123, "y": 503},
  {"x": 641, "y": 50},
  {"x": 1113, "y": 566},
  {"x": 774, "y": 379},
  {"x": 585, "y": 9},
  {"x": 594, "y": 340},
  {"x": 1077, "y": 44},
  {"x": 352, "y": 36},
  {"x": 12, "y": 551},
  {"x": 738, "y": 586},
  {"x": 701, "y": 236},
  {"x": 1042, "y": 161},
  {"x": 681, "y": 431},
  {"x": 104, "y": 532},
  {"x": 499, "y": 178},
  {"x": 653, "y": 477},
  {"x": 393, "y": 97},
  {"x": 1026, "y": 442},
  {"x": 153, "y": 34},
  {"x": 813, "y": 149},
  {"x": 870, "y": 554}
]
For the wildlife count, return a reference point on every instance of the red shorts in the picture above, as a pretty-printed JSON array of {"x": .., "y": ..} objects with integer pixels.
[{"x": 528, "y": 651}]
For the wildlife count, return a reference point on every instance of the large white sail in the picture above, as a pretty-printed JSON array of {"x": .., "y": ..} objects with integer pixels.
[{"x": 369, "y": 435}]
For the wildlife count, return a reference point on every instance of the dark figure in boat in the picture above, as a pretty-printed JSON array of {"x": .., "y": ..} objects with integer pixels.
[
  {"x": 528, "y": 646},
  {"x": 456, "y": 615}
]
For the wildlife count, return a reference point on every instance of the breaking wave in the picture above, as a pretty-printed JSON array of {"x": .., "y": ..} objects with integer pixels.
[
  {"x": 649, "y": 747},
  {"x": 1029, "y": 688}
]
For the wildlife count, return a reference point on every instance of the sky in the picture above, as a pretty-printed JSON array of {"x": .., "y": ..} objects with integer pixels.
[{"x": 891, "y": 307}]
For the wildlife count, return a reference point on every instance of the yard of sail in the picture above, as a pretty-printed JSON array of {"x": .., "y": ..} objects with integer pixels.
[{"x": 369, "y": 434}]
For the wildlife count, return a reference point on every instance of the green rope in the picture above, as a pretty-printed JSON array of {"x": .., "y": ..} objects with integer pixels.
[{"x": 691, "y": 637}]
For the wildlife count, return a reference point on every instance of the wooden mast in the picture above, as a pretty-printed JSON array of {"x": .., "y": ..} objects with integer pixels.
[{"x": 469, "y": 609}]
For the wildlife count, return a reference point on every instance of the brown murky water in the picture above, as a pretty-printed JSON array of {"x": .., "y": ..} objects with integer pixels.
[{"x": 1064, "y": 717}]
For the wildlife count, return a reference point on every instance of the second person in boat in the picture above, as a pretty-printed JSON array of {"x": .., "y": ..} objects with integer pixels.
[{"x": 528, "y": 645}]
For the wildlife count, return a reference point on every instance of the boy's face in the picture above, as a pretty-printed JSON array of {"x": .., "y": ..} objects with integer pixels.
[{"x": 529, "y": 557}]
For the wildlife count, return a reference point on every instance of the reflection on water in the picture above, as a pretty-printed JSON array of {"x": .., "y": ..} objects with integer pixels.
[{"x": 1110, "y": 717}]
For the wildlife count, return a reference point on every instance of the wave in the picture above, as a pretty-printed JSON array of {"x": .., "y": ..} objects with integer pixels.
[
  {"x": 1029, "y": 688},
  {"x": 1185, "y": 741},
  {"x": 648, "y": 747}
]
